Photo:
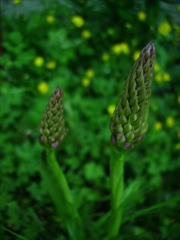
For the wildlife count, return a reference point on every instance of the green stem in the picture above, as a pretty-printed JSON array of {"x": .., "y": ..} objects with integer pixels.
[
  {"x": 61, "y": 195},
  {"x": 52, "y": 188},
  {"x": 117, "y": 185}
]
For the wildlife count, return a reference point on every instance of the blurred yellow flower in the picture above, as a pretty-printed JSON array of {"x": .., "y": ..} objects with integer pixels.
[
  {"x": 156, "y": 67},
  {"x": 50, "y": 19},
  {"x": 164, "y": 28},
  {"x": 136, "y": 55},
  {"x": 90, "y": 73},
  {"x": 158, "y": 77},
  {"x": 51, "y": 65},
  {"x": 170, "y": 122},
  {"x": 78, "y": 21},
  {"x": 17, "y": 1},
  {"x": 86, "y": 82},
  {"x": 86, "y": 34},
  {"x": 111, "y": 109},
  {"x": 158, "y": 126},
  {"x": 105, "y": 57},
  {"x": 166, "y": 77},
  {"x": 39, "y": 61},
  {"x": 178, "y": 133},
  {"x": 177, "y": 147},
  {"x": 162, "y": 77},
  {"x": 178, "y": 99},
  {"x": 121, "y": 48},
  {"x": 43, "y": 87},
  {"x": 141, "y": 15}
]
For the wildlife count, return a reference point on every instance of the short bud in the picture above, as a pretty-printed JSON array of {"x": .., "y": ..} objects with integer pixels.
[{"x": 52, "y": 127}]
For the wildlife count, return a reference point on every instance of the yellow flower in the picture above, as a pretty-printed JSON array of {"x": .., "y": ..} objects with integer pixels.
[
  {"x": 17, "y": 1},
  {"x": 43, "y": 87},
  {"x": 78, "y": 21},
  {"x": 164, "y": 28},
  {"x": 162, "y": 77},
  {"x": 50, "y": 18},
  {"x": 156, "y": 67},
  {"x": 86, "y": 82},
  {"x": 105, "y": 57},
  {"x": 141, "y": 15},
  {"x": 166, "y": 77},
  {"x": 111, "y": 109},
  {"x": 39, "y": 61},
  {"x": 86, "y": 34},
  {"x": 136, "y": 55},
  {"x": 51, "y": 65},
  {"x": 178, "y": 134},
  {"x": 170, "y": 121},
  {"x": 158, "y": 77},
  {"x": 90, "y": 73},
  {"x": 158, "y": 126},
  {"x": 178, "y": 99},
  {"x": 121, "y": 48},
  {"x": 177, "y": 147}
]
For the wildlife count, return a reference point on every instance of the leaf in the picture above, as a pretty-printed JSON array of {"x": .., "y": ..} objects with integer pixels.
[
  {"x": 151, "y": 209},
  {"x": 20, "y": 237}
]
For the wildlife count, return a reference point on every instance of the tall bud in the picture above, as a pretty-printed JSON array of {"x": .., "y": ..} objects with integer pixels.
[
  {"x": 52, "y": 127},
  {"x": 129, "y": 121}
]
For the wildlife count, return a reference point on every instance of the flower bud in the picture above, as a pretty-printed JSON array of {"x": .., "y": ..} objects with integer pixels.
[
  {"x": 129, "y": 121},
  {"x": 52, "y": 127}
]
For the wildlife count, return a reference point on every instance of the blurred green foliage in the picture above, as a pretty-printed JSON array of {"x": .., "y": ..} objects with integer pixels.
[{"x": 87, "y": 48}]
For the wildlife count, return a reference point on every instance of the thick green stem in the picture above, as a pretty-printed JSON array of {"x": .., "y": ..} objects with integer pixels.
[
  {"x": 61, "y": 195},
  {"x": 52, "y": 188},
  {"x": 117, "y": 184}
]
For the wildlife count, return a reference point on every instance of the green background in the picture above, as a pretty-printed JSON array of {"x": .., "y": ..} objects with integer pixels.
[{"x": 151, "y": 169}]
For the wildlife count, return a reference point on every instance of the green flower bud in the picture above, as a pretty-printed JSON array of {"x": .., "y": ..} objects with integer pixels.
[
  {"x": 129, "y": 121},
  {"x": 52, "y": 128}
]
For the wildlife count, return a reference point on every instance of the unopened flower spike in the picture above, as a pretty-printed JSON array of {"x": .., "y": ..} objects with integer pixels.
[
  {"x": 52, "y": 127},
  {"x": 129, "y": 121}
]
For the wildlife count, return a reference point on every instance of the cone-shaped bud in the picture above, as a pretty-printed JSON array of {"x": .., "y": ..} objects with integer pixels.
[
  {"x": 129, "y": 121},
  {"x": 52, "y": 128}
]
